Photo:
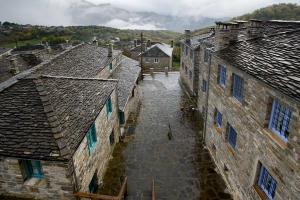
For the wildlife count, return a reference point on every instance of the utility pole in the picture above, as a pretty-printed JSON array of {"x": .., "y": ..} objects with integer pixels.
[{"x": 141, "y": 55}]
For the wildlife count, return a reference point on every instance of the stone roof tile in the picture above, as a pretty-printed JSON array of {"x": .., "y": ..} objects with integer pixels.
[{"x": 40, "y": 117}]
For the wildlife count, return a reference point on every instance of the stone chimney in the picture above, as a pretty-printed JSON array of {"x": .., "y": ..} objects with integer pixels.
[
  {"x": 110, "y": 50},
  {"x": 135, "y": 42},
  {"x": 14, "y": 68},
  {"x": 172, "y": 43},
  {"x": 187, "y": 36},
  {"x": 226, "y": 33},
  {"x": 143, "y": 46},
  {"x": 148, "y": 43},
  {"x": 255, "y": 28}
]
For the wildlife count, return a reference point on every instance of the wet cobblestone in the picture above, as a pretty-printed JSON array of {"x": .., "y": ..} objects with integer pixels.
[{"x": 181, "y": 167}]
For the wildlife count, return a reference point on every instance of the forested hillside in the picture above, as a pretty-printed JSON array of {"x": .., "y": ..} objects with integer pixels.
[
  {"x": 281, "y": 11},
  {"x": 11, "y": 33}
]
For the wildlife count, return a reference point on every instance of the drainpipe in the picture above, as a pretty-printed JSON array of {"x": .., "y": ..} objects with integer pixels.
[{"x": 207, "y": 96}]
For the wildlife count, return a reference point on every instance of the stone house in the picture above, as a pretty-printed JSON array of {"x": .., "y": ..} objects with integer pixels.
[
  {"x": 250, "y": 100},
  {"x": 56, "y": 134},
  {"x": 190, "y": 60},
  {"x": 59, "y": 122},
  {"x": 158, "y": 57}
]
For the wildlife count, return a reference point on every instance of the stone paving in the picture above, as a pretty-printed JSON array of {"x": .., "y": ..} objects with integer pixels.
[{"x": 181, "y": 167}]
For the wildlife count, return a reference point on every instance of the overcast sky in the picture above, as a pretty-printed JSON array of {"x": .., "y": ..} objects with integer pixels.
[{"x": 62, "y": 12}]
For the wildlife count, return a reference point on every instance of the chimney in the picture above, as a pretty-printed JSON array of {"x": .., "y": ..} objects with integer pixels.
[
  {"x": 187, "y": 35},
  {"x": 148, "y": 43},
  {"x": 255, "y": 28},
  {"x": 14, "y": 68},
  {"x": 226, "y": 33},
  {"x": 172, "y": 43},
  {"x": 135, "y": 42},
  {"x": 110, "y": 50},
  {"x": 144, "y": 47}
]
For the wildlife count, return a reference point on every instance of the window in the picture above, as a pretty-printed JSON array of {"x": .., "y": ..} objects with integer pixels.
[
  {"x": 186, "y": 70},
  {"x": 218, "y": 118},
  {"x": 238, "y": 87},
  {"x": 204, "y": 86},
  {"x": 91, "y": 138},
  {"x": 266, "y": 183},
  {"x": 93, "y": 186},
  {"x": 112, "y": 138},
  {"x": 191, "y": 54},
  {"x": 280, "y": 120},
  {"x": 231, "y": 136},
  {"x": 109, "y": 108},
  {"x": 121, "y": 117},
  {"x": 186, "y": 50},
  {"x": 222, "y": 76},
  {"x": 110, "y": 67},
  {"x": 190, "y": 74},
  {"x": 31, "y": 169},
  {"x": 206, "y": 55},
  {"x": 155, "y": 60}
]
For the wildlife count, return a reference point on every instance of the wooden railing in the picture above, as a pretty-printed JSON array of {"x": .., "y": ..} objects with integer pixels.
[
  {"x": 121, "y": 195},
  {"x": 153, "y": 191}
]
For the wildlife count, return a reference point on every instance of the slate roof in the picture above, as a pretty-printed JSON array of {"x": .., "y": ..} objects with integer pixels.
[
  {"x": 84, "y": 61},
  {"x": 273, "y": 59},
  {"x": 127, "y": 74},
  {"x": 159, "y": 50},
  {"x": 196, "y": 41},
  {"x": 46, "y": 118}
]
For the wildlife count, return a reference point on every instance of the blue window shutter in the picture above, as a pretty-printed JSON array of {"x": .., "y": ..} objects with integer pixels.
[
  {"x": 280, "y": 119},
  {"x": 267, "y": 183},
  {"x": 232, "y": 137},
  {"x": 238, "y": 87},
  {"x": 26, "y": 169},
  {"x": 94, "y": 133},
  {"x": 121, "y": 117},
  {"x": 37, "y": 169}
]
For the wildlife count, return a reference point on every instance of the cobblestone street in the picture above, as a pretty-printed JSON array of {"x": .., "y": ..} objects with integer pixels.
[{"x": 181, "y": 168}]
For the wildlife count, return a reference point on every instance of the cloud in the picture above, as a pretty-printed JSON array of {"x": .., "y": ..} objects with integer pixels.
[
  {"x": 86, "y": 12},
  {"x": 132, "y": 23}
]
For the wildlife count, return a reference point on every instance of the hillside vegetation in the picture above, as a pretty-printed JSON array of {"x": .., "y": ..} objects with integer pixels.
[
  {"x": 281, "y": 11},
  {"x": 11, "y": 33}
]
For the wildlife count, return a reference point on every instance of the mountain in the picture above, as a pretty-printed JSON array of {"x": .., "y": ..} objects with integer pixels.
[
  {"x": 85, "y": 12},
  {"x": 281, "y": 11}
]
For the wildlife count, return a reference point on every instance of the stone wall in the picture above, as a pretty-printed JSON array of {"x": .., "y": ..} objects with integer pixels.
[
  {"x": 163, "y": 62},
  {"x": 105, "y": 72},
  {"x": 190, "y": 83},
  {"x": 87, "y": 165},
  {"x": 56, "y": 183},
  {"x": 131, "y": 106},
  {"x": 255, "y": 142},
  {"x": 203, "y": 75}
]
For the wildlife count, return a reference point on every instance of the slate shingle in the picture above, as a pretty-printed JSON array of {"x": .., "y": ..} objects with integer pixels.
[
  {"x": 35, "y": 111},
  {"x": 127, "y": 74},
  {"x": 84, "y": 61},
  {"x": 273, "y": 59}
]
